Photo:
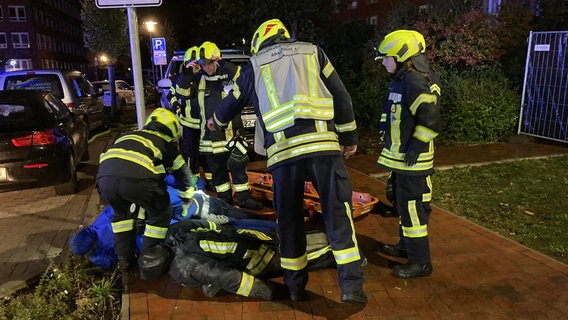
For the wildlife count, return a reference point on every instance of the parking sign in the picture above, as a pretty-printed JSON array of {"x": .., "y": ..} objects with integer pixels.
[
  {"x": 159, "y": 44},
  {"x": 128, "y": 3},
  {"x": 159, "y": 51}
]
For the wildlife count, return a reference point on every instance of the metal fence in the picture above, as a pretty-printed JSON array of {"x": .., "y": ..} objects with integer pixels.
[{"x": 544, "y": 104}]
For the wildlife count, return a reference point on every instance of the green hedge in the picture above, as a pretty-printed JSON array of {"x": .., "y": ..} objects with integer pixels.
[{"x": 478, "y": 107}]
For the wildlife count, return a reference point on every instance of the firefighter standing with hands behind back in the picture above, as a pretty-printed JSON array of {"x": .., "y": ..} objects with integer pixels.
[
  {"x": 309, "y": 127},
  {"x": 412, "y": 121}
]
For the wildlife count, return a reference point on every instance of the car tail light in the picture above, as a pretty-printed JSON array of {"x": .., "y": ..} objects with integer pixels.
[
  {"x": 36, "y": 138},
  {"x": 70, "y": 105}
]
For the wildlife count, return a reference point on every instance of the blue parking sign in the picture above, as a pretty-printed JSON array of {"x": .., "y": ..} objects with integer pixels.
[{"x": 159, "y": 44}]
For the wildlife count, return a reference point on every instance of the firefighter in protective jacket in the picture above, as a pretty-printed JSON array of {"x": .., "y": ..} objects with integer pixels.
[
  {"x": 183, "y": 89},
  {"x": 213, "y": 86},
  {"x": 308, "y": 123},
  {"x": 132, "y": 171},
  {"x": 411, "y": 120}
]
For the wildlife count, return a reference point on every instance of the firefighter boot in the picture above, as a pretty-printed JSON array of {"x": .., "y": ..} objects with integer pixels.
[
  {"x": 226, "y": 196},
  {"x": 125, "y": 246},
  {"x": 246, "y": 201}
]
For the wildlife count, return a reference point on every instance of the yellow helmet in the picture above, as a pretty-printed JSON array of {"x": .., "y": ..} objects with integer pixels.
[
  {"x": 268, "y": 30},
  {"x": 401, "y": 45},
  {"x": 208, "y": 51},
  {"x": 190, "y": 55},
  {"x": 421, "y": 41},
  {"x": 167, "y": 119}
]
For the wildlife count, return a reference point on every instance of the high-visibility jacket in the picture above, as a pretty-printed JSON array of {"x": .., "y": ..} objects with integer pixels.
[
  {"x": 301, "y": 103},
  {"x": 182, "y": 90},
  {"x": 147, "y": 154},
  {"x": 411, "y": 119},
  {"x": 210, "y": 91}
]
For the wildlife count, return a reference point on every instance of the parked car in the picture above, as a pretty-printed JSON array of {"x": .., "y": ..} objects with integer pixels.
[
  {"x": 175, "y": 66},
  {"x": 151, "y": 94},
  {"x": 125, "y": 98},
  {"x": 72, "y": 87},
  {"x": 41, "y": 141}
]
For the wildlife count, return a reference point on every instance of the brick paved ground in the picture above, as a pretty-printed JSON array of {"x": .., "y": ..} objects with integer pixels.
[{"x": 478, "y": 274}]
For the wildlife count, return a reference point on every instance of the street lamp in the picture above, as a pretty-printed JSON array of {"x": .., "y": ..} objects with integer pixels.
[{"x": 151, "y": 27}]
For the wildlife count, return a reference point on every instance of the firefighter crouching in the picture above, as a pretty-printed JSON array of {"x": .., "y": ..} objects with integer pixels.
[{"x": 132, "y": 171}]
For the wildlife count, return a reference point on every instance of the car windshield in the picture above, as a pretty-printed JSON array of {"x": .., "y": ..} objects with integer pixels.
[{"x": 46, "y": 82}]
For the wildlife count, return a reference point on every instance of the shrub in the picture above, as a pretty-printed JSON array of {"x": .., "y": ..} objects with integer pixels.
[
  {"x": 478, "y": 106},
  {"x": 75, "y": 289}
]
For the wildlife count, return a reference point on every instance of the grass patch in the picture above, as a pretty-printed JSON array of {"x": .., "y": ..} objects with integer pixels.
[{"x": 524, "y": 200}]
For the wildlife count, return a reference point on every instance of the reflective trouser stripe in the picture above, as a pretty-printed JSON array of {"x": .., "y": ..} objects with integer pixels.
[
  {"x": 123, "y": 226},
  {"x": 155, "y": 232},
  {"x": 417, "y": 230},
  {"x": 318, "y": 253},
  {"x": 246, "y": 284},
  {"x": 241, "y": 187},
  {"x": 224, "y": 187},
  {"x": 294, "y": 264}
]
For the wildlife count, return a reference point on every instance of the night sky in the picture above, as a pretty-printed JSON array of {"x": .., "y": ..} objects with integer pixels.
[{"x": 177, "y": 13}]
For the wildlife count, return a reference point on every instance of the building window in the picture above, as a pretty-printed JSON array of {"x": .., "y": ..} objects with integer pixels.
[
  {"x": 371, "y": 1},
  {"x": 17, "y": 13},
  {"x": 20, "y": 40},
  {"x": 373, "y": 20},
  {"x": 424, "y": 8},
  {"x": 19, "y": 64},
  {"x": 352, "y": 4},
  {"x": 1, "y": 14},
  {"x": 3, "y": 40}
]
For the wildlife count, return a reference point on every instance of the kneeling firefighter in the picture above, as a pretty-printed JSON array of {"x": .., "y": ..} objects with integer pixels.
[{"x": 133, "y": 171}]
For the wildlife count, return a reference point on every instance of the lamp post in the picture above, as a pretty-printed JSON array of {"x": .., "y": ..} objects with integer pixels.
[
  {"x": 104, "y": 59},
  {"x": 96, "y": 69},
  {"x": 151, "y": 26}
]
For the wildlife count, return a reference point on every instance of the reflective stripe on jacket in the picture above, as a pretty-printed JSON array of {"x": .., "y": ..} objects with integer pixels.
[
  {"x": 411, "y": 118},
  {"x": 289, "y": 86},
  {"x": 146, "y": 154}
]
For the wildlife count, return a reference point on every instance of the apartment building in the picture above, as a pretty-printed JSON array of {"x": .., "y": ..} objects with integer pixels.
[{"x": 40, "y": 34}]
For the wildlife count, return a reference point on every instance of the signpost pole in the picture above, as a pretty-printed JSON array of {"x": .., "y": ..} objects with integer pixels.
[
  {"x": 136, "y": 67},
  {"x": 134, "y": 47}
]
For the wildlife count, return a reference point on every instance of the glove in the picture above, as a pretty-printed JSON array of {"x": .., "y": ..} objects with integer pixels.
[
  {"x": 184, "y": 209},
  {"x": 382, "y": 136},
  {"x": 237, "y": 160},
  {"x": 411, "y": 157},
  {"x": 176, "y": 105}
]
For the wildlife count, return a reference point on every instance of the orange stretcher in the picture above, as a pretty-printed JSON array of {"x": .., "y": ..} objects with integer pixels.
[{"x": 261, "y": 188}]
